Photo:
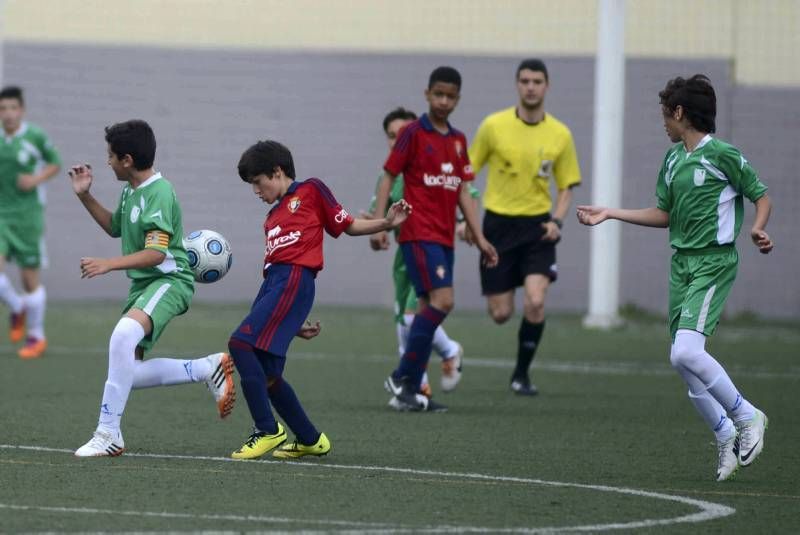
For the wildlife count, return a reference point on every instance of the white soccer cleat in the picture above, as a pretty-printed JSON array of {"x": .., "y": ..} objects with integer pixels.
[
  {"x": 102, "y": 444},
  {"x": 728, "y": 462},
  {"x": 451, "y": 370},
  {"x": 221, "y": 383},
  {"x": 751, "y": 437}
]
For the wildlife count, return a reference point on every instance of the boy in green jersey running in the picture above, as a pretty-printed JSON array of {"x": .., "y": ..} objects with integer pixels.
[
  {"x": 405, "y": 302},
  {"x": 699, "y": 198},
  {"x": 148, "y": 220},
  {"x": 27, "y": 160}
]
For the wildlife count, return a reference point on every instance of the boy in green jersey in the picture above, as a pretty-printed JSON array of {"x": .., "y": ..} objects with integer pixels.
[
  {"x": 699, "y": 198},
  {"x": 405, "y": 303},
  {"x": 27, "y": 160},
  {"x": 148, "y": 220}
]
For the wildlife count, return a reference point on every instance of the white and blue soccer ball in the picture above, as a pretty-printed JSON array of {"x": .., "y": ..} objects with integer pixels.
[{"x": 209, "y": 255}]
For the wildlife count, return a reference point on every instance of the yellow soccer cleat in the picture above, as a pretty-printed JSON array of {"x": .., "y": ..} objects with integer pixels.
[
  {"x": 296, "y": 450},
  {"x": 260, "y": 443},
  {"x": 17, "y": 330}
]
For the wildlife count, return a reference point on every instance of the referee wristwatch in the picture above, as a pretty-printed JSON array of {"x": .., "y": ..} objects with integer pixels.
[{"x": 558, "y": 222}]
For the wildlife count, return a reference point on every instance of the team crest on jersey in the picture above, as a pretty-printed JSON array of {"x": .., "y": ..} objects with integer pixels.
[
  {"x": 294, "y": 204},
  {"x": 447, "y": 168},
  {"x": 136, "y": 210},
  {"x": 441, "y": 272},
  {"x": 699, "y": 177}
]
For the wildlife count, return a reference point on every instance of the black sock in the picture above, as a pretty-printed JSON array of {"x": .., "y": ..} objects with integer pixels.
[{"x": 528, "y": 340}]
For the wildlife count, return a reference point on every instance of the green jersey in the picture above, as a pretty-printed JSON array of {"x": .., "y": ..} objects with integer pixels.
[
  {"x": 23, "y": 153},
  {"x": 702, "y": 192},
  {"x": 153, "y": 206}
]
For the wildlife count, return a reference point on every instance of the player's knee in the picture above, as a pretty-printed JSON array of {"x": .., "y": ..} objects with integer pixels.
[
  {"x": 534, "y": 310},
  {"x": 683, "y": 356},
  {"x": 445, "y": 303},
  {"x": 500, "y": 313},
  {"x": 125, "y": 337}
]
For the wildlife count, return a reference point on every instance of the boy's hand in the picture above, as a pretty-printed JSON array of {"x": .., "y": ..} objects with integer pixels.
[
  {"x": 27, "y": 182},
  {"x": 592, "y": 215},
  {"x": 551, "y": 231},
  {"x": 81, "y": 176},
  {"x": 379, "y": 241},
  {"x": 309, "y": 330},
  {"x": 92, "y": 267},
  {"x": 489, "y": 256},
  {"x": 397, "y": 213},
  {"x": 762, "y": 241}
]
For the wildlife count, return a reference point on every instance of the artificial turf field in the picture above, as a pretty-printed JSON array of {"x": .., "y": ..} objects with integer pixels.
[{"x": 612, "y": 442}]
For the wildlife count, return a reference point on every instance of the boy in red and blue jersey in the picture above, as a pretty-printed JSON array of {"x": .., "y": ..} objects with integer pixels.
[
  {"x": 432, "y": 157},
  {"x": 294, "y": 233}
]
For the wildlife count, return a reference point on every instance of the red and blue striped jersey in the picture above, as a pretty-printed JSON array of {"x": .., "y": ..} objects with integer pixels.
[
  {"x": 433, "y": 166},
  {"x": 294, "y": 226}
]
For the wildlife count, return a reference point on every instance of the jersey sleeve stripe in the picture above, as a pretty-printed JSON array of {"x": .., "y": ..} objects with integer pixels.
[
  {"x": 405, "y": 136},
  {"x": 324, "y": 190}
]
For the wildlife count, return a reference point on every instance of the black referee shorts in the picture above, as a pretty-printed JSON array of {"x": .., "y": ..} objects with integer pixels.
[{"x": 518, "y": 240}]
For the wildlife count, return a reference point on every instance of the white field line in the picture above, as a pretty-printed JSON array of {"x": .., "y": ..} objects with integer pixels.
[
  {"x": 623, "y": 368},
  {"x": 706, "y": 510}
]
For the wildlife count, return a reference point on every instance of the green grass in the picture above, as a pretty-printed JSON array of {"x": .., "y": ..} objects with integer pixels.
[{"x": 611, "y": 413}]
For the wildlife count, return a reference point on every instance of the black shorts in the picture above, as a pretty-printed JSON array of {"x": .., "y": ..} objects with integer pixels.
[{"x": 518, "y": 241}]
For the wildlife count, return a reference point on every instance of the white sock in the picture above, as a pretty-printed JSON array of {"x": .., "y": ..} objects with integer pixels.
[
  {"x": 167, "y": 372},
  {"x": 121, "y": 362},
  {"x": 709, "y": 408},
  {"x": 443, "y": 344},
  {"x": 688, "y": 351},
  {"x": 10, "y": 296},
  {"x": 402, "y": 338},
  {"x": 35, "y": 304},
  {"x": 424, "y": 379}
]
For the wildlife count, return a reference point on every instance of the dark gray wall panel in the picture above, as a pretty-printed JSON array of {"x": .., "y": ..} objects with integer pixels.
[{"x": 207, "y": 106}]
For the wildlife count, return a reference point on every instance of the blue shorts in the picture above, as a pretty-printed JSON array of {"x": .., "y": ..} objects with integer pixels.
[
  {"x": 282, "y": 305},
  {"x": 429, "y": 265}
]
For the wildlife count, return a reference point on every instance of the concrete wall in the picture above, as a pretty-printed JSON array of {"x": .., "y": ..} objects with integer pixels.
[{"x": 207, "y": 106}]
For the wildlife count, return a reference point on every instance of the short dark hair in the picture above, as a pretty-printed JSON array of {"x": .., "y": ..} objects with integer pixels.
[
  {"x": 12, "y": 91},
  {"x": 398, "y": 113},
  {"x": 265, "y": 157},
  {"x": 697, "y": 98},
  {"x": 134, "y": 137},
  {"x": 533, "y": 64},
  {"x": 447, "y": 75}
]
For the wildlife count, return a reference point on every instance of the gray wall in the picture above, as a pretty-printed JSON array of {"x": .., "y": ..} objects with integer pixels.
[{"x": 207, "y": 106}]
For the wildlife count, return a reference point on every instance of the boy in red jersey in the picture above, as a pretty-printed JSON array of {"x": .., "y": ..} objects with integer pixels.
[
  {"x": 294, "y": 232},
  {"x": 432, "y": 157}
]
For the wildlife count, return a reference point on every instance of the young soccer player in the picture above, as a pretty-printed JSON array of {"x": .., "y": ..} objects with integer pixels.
[
  {"x": 525, "y": 149},
  {"x": 432, "y": 156},
  {"x": 294, "y": 232},
  {"x": 148, "y": 220},
  {"x": 699, "y": 198},
  {"x": 405, "y": 302},
  {"x": 27, "y": 160}
]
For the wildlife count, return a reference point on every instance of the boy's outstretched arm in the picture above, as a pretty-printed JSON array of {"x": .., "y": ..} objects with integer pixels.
[
  {"x": 380, "y": 240},
  {"x": 757, "y": 233},
  {"x": 81, "y": 176},
  {"x": 397, "y": 213},
  {"x": 470, "y": 211},
  {"x": 92, "y": 267},
  {"x": 646, "y": 217}
]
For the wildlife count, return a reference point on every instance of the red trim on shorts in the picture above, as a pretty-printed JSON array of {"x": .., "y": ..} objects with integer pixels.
[
  {"x": 422, "y": 265},
  {"x": 284, "y": 305}
]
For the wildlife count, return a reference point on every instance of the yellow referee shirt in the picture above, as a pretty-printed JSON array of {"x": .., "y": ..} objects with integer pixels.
[{"x": 522, "y": 159}]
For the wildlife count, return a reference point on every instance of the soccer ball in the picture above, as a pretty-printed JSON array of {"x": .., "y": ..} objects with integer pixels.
[{"x": 209, "y": 255}]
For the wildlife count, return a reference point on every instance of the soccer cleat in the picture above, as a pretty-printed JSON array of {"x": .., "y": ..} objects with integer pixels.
[
  {"x": 33, "y": 348},
  {"x": 17, "y": 331},
  {"x": 451, "y": 370},
  {"x": 727, "y": 462},
  {"x": 751, "y": 437},
  {"x": 102, "y": 444},
  {"x": 221, "y": 383},
  {"x": 393, "y": 386},
  {"x": 425, "y": 390},
  {"x": 522, "y": 386},
  {"x": 296, "y": 450},
  {"x": 260, "y": 443}
]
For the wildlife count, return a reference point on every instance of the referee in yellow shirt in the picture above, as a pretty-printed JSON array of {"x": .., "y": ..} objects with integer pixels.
[{"x": 525, "y": 149}]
